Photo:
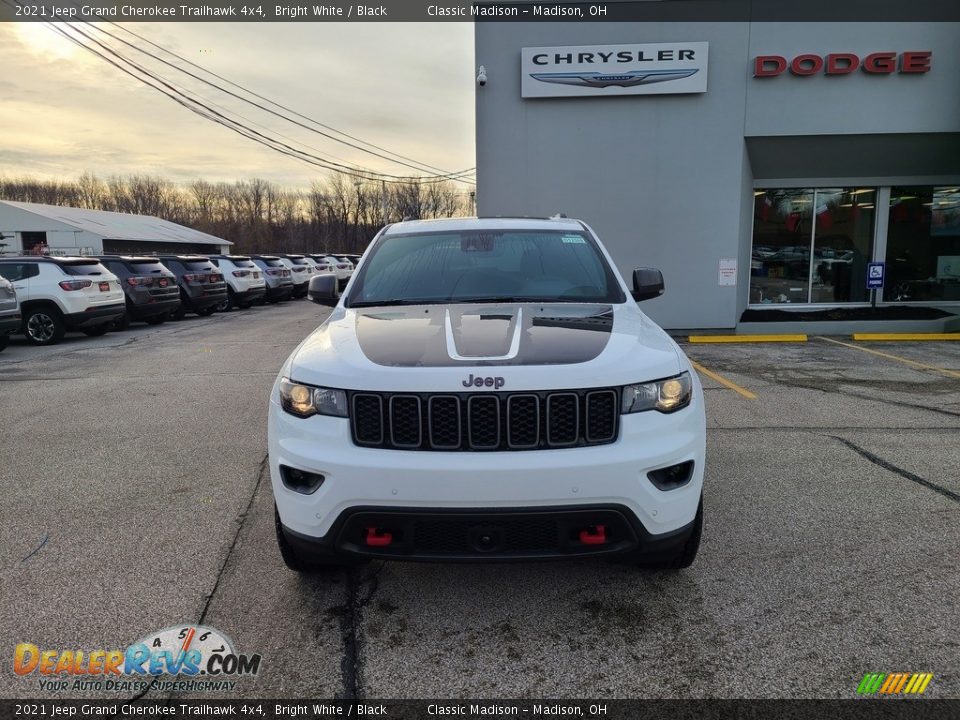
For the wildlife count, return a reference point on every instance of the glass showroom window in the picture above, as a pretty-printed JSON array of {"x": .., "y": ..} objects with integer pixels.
[
  {"x": 923, "y": 245},
  {"x": 811, "y": 245}
]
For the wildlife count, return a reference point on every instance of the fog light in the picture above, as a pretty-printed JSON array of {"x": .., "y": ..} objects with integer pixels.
[
  {"x": 673, "y": 477},
  {"x": 300, "y": 481}
]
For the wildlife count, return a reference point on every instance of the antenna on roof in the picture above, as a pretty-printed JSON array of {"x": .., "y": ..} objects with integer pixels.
[{"x": 558, "y": 216}]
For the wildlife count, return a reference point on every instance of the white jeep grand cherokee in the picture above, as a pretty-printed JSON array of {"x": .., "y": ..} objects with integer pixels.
[{"x": 488, "y": 390}]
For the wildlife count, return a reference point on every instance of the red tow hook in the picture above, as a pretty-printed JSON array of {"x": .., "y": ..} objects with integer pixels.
[
  {"x": 378, "y": 538},
  {"x": 594, "y": 535}
]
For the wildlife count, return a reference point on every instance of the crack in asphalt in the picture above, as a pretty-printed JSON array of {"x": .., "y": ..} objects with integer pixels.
[
  {"x": 880, "y": 462},
  {"x": 240, "y": 521},
  {"x": 38, "y": 548},
  {"x": 351, "y": 669}
]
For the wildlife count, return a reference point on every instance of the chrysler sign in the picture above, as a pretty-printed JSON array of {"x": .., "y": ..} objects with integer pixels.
[{"x": 602, "y": 70}]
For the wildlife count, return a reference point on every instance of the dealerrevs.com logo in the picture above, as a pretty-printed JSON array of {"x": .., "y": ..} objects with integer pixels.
[{"x": 180, "y": 658}]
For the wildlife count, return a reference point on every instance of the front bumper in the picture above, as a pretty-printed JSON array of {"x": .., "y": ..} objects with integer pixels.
[
  {"x": 520, "y": 534},
  {"x": 613, "y": 475},
  {"x": 96, "y": 315}
]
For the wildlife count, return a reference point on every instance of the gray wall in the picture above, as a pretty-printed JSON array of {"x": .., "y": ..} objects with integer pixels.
[{"x": 666, "y": 180}]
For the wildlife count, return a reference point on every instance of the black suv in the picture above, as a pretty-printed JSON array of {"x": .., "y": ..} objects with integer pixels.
[
  {"x": 202, "y": 287},
  {"x": 151, "y": 290}
]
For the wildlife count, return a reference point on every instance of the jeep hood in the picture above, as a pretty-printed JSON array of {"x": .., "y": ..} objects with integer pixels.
[{"x": 532, "y": 345}]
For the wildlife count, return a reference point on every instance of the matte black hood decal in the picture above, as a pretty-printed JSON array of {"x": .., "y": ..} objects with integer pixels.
[{"x": 516, "y": 334}]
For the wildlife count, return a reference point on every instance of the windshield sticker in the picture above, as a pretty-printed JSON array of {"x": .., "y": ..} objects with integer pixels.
[{"x": 574, "y": 240}]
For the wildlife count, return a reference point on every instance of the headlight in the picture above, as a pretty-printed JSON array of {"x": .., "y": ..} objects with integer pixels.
[
  {"x": 306, "y": 400},
  {"x": 663, "y": 395}
]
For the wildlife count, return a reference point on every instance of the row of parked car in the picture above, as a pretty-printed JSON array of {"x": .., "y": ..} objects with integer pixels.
[{"x": 44, "y": 297}]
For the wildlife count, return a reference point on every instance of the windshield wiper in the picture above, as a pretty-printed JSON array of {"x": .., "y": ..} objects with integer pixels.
[
  {"x": 396, "y": 301},
  {"x": 498, "y": 299}
]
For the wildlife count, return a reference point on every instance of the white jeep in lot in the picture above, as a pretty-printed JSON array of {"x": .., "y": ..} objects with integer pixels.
[
  {"x": 487, "y": 390},
  {"x": 63, "y": 293}
]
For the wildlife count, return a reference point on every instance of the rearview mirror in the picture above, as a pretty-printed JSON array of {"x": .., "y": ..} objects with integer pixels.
[
  {"x": 323, "y": 290},
  {"x": 647, "y": 284}
]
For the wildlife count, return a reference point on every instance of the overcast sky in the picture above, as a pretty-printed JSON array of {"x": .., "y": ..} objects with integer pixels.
[{"x": 406, "y": 87}]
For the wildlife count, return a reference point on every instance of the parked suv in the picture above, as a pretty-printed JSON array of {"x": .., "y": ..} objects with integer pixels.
[
  {"x": 321, "y": 263},
  {"x": 63, "y": 293},
  {"x": 278, "y": 276},
  {"x": 202, "y": 287},
  {"x": 487, "y": 390},
  {"x": 301, "y": 271},
  {"x": 245, "y": 283},
  {"x": 9, "y": 311},
  {"x": 150, "y": 288}
]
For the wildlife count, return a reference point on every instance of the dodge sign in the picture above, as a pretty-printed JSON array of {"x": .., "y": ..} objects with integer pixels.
[{"x": 602, "y": 70}]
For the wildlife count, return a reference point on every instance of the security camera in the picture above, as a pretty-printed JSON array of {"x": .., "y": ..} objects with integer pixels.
[{"x": 482, "y": 76}]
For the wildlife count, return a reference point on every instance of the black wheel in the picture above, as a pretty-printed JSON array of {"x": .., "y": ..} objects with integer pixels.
[
  {"x": 4, "y": 341},
  {"x": 122, "y": 323},
  {"x": 684, "y": 556},
  {"x": 297, "y": 562},
  {"x": 203, "y": 312},
  {"x": 244, "y": 306},
  {"x": 97, "y": 330},
  {"x": 179, "y": 314},
  {"x": 156, "y": 319},
  {"x": 43, "y": 326}
]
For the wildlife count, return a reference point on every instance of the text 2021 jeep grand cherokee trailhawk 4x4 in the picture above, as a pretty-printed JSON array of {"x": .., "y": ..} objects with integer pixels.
[{"x": 487, "y": 390}]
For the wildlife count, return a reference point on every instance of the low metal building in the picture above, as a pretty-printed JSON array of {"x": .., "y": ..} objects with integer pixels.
[{"x": 32, "y": 228}]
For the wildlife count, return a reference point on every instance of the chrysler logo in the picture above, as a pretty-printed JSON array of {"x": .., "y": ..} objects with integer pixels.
[{"x": 602, "y": 80}]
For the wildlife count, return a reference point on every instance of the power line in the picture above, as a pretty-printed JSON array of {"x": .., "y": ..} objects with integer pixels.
[
  {"x": 205, "y": 111},
  {"x": 261, "y": 97}
]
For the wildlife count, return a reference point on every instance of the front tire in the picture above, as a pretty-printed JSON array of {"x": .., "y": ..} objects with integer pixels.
[
  {"x": 44, "y": 326},
  {"x": 4, "y": 341},
  {"x": 156, "y": 319},
  {"x": 204, "y": 312}
]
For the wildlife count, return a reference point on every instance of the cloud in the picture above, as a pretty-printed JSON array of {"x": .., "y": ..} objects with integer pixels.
[{"x": 407, "y": 87}]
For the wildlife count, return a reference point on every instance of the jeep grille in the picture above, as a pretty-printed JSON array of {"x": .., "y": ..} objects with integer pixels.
[{"x": 485, "y": 420}]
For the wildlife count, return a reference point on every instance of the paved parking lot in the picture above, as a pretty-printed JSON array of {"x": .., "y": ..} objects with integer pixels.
[{"x": 135, "y": 498}]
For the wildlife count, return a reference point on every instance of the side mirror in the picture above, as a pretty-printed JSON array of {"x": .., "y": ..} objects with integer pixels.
[
  {"x": 647, "y": 284},
  {"x": 323, "y": 290}
]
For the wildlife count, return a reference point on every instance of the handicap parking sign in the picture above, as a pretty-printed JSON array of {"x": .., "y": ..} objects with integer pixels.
[{"x": 875, "y": 275}]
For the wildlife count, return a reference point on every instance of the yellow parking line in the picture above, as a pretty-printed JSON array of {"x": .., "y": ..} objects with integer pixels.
[
  {"x": 746, "y": 338},
  {"x": 906, "y": 336},
  {"x": 906, "y": 361},
  {"x": 723, "y": 381}
]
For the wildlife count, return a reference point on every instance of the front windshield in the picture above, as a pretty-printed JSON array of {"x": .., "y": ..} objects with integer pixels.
[{"x": 485, "y": 266}]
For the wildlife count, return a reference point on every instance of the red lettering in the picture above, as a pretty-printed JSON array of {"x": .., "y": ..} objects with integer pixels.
[
  {"x": 842, "y": 63},
  {"x": 762, "y": 65},
  {"x": 806, "y": 65},
  {"x": 882, "y": 63},
  {"x": 915, "y": 62}
]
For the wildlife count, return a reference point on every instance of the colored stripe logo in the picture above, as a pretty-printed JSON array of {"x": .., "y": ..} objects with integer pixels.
[{"x": 894, "y": 683}]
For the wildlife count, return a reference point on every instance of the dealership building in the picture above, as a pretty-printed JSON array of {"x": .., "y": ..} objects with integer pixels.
[{"x": 762, "y": 166}]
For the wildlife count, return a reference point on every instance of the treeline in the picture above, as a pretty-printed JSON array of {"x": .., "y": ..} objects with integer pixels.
[{"x": 337, "y": 214}]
